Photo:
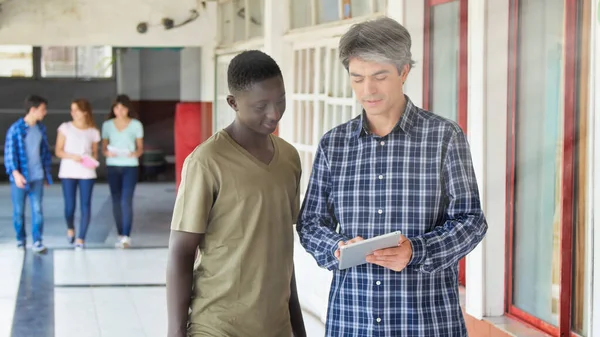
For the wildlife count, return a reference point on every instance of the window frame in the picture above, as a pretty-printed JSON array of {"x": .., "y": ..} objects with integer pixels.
[
  {"x": 462, "y": 113},
  {"x": 334, "y": 108},
  {"x": 37, "y": 73},
  {"x": 568, "y": 163},
  {"x": 314, "y": 20},
  {"x": 462, "y": 62},
  {"x": 36, "y": 60},
  {"x": 33, "y": 67}
]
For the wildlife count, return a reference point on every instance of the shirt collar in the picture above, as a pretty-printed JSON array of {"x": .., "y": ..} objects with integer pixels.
[
  {"x": 26, "y": 126},
  {"x": 406, "y": 122}
]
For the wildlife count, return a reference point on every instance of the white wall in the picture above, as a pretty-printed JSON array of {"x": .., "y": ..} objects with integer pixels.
[
  {"x": 414, "y": 14},
  {"x": 128, "y": 73},
  {"x": 108, "y": 22},
  {"x": 160, "y": 72},
  {"x": 150, "y": 74},
  {"x": 191, "y": 74},
  {"x": 495, "y": 87}
]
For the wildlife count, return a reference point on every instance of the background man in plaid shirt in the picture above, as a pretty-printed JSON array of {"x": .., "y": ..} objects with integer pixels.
[
  {"x": 395, "y": 167},
  {"x": 28, "y": 160}
]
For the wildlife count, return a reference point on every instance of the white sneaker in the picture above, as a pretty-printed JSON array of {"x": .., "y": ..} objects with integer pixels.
[
  {"x": 124, "y": 243},
  {"x": 118, "y": 243}
]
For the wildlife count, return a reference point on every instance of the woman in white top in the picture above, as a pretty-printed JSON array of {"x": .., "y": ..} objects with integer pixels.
[{"x": 77, "y": 146}]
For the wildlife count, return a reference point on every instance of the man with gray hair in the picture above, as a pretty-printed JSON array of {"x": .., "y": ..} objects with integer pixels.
[{"x": 395, "y": 167}]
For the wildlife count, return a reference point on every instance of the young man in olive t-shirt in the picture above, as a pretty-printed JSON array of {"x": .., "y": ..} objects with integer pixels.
[{"x": 238, "y": 201}]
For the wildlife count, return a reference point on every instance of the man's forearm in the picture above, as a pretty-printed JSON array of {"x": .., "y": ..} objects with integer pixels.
[
  {"x": 447, "y": 244},
  {"x": 179, "y": 292},
  {"x": 320, "y": 240}
]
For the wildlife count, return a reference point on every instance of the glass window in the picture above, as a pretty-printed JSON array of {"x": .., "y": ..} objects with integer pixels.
[
  {"x": 321, "y": 99},
  {"x": 540, "y": 186},
  {"x": 77, "y": 62},
  {"x": 328, "y": 10},
  {"x": 94, "y": 62},
  {"x": 539, "y": 178},
  {"x": 16, "y": 61},
  {"x": 444, "y": 58}
]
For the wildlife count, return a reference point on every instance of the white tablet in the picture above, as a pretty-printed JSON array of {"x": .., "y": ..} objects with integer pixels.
[{"x": 356, "y": 254}]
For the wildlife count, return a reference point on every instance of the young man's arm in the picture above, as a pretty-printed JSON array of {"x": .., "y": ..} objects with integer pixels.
[
  {"x": 182, "y": 253},
  {"x": 11, "y": 157},
  {"x": 465, "y": 226},
  {"x": 295, "y": 310},
  {"x": 193, "y": 205},
  {"x": 9, "y": 152},
  {"x": 317, "y": 222}
]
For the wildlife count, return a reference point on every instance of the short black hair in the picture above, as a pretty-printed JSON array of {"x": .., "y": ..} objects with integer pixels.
[
  {"x": 250, "y": 67},
  {"x": 34, "y": 101}
]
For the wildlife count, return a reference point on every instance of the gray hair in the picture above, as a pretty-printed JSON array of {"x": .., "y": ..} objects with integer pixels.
[{"x": 381, "y": 40}]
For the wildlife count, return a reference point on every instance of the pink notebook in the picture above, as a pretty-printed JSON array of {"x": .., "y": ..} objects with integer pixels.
[{"x": 89, "y": 162}]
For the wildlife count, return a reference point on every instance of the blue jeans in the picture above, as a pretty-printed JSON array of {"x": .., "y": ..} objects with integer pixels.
[
  {"x": 69, "y": 187},
  {"x": 35, "y": 191},
  {"x": 122, "y": 180}
]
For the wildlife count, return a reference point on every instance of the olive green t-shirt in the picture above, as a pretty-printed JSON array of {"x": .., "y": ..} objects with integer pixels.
[{"x": 246, "y": 209}]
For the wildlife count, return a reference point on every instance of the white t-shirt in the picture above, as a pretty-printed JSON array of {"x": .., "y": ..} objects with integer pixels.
[{"x": 78, "y": 142}]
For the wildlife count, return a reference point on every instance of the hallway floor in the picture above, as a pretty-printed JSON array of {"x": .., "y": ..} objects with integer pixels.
[{"x": 99, "y": 291}]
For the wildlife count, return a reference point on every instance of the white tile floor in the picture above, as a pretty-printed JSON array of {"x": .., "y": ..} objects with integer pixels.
[
  {"x": 110, "y": 266},
  {"x": 110, "y": 312},
  {"x": 11, "y": 263},
  {"x": 96, "y": 311},
  {"x": 117, "y": 312}
]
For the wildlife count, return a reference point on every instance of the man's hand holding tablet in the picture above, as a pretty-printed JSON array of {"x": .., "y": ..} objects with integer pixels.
[{"x": 392, "y": 251}]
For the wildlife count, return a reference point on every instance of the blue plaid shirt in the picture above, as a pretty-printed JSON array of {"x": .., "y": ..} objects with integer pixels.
[
  {"x": 418, "y": 179},
  {"x": 15, "y": 154}
]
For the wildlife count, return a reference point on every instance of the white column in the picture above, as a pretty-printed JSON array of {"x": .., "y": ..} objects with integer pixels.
[
  {"x": 191, "y": 75},
  {"x": 475, "y": 276},
  {"x": 495, "y": 32},
  {"x": 207, "y": 72},
  {"x": 277, "y": 23},
  {"x": 128, "y": 73},
  {"x": 414, "y": 22}
]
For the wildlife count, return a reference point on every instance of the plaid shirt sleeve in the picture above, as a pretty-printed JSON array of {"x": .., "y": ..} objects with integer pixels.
[
  {"x": 10, "y": 151},
  {"x": 317, "y": 221},
  {"x": 465, "y": 226}
]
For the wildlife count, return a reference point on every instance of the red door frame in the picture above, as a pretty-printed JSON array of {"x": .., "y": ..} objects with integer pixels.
[
  {"x": 462, "y": 77},
  {"x": 568, "y": 164}
]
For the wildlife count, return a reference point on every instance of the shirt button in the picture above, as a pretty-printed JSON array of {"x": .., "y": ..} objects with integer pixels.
[
  {"x": 382, "y": 143},
  {"x": 380, "y": 177},
  {"x": 379, "y": 211},
  {"x": 378, "y": 320},
  {"x": 378, "y": 283}
]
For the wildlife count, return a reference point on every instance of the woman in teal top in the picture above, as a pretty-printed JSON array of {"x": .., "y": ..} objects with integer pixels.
[{"x": 122, "y": 145}]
